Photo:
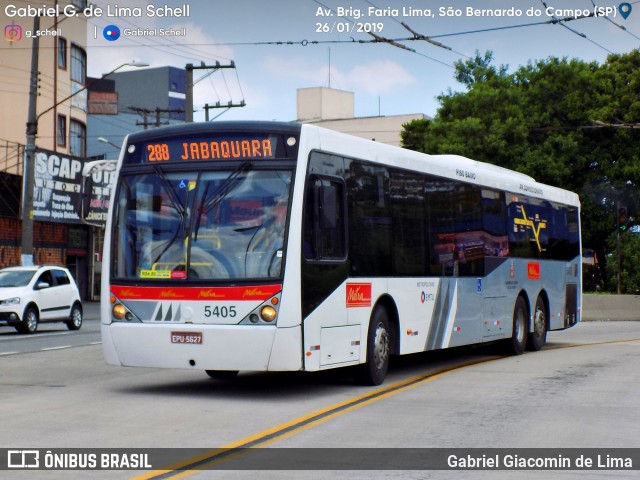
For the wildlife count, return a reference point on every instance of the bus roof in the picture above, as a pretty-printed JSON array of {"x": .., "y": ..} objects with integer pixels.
[
  {"x": 204, "y": 127},
  {"x": 455, "y": 167}
]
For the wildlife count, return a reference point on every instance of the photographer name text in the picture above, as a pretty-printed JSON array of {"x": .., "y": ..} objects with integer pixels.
[{"x": 12, "y": 10}]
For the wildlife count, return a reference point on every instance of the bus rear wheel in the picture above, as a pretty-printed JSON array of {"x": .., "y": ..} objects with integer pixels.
[
  {"x": 374, "y": 370},
  {"x": 538, "y": 337},
  {"x": 518, "y": 341}
]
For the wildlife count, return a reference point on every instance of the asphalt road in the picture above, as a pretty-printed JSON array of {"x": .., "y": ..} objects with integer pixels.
[
  {"x": 53, "y": 336},
  {"x": 581, "y": 391}
]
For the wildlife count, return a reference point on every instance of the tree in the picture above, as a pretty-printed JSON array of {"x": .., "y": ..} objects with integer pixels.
[
  {"x": 630, "y": 255},
  {"x": 564, "y": 122}
]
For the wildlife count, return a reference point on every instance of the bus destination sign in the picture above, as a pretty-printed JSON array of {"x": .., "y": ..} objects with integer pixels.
[{"x": 233, "y": 148}]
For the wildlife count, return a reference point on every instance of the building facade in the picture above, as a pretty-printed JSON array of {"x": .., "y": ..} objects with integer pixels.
[
  {"x": 61, "y": 131},
  {"x": 131, "y": 101},
  {"x": 334, "y": 109}
]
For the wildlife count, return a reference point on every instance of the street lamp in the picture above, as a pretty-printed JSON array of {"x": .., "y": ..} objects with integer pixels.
[
  {"x": 30, "y": 147},
  {"x": 104, "y": 140},
  {"x": 128, "y": 64}
]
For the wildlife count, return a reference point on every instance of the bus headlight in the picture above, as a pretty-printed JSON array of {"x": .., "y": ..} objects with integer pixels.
[
  {"x": 119, "y": 311},
  {"x": 268, "y": 313}
]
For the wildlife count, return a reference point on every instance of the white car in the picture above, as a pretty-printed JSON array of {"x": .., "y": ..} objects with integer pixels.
[{"x": 30, "y": 295}]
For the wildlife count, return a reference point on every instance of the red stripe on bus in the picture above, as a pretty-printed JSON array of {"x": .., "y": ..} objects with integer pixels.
[{"x": 259, "y": 292}]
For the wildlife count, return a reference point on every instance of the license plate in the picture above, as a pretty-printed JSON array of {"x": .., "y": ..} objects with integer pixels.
[{"x": 187, "y": 338}]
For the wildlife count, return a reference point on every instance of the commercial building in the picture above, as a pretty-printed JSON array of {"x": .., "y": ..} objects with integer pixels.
[{"x": 131, "y": 101}]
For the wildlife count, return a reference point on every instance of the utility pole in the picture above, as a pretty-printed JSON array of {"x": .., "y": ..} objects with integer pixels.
[
  {"x": 145, "y": 113},
  {"x": 226, "y": 107},
  {"x": 188, "y": 99},
  {"x": 159, "y": 121},
  {"x": 188, "y": 114},
  {"x": 28, "y": 171}
]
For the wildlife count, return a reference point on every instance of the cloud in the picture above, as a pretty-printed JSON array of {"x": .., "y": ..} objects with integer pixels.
[{"x": 375, "y": 77}]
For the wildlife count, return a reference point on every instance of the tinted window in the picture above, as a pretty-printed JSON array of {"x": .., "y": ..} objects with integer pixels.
[
  {"x": 324, "y": 220},
  {"x": 440, "y": 195},
  {"x": 409, "y": 216},
  {"x": 45, "y": 277},
  {"x": 61, "y": 277},
  {"x": 470, "y": 238},
  {"x": 370, "y": 219}
]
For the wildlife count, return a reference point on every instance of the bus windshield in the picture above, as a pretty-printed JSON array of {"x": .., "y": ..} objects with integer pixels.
[{"x": 194, "y": 225}]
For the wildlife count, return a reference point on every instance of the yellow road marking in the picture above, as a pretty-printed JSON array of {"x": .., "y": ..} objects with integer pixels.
[{"x": 215, "y": 456}]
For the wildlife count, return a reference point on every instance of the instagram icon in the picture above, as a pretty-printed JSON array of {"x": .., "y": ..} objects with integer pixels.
[{"x": 13, "y": 33}]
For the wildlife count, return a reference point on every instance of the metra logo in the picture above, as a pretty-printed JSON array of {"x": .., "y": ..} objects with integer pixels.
[{"x": 358, "y": 294}]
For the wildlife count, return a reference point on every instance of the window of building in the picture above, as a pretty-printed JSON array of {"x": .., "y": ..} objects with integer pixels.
[
  {"x": 77, "y": 138},
  {"x": 61, "y": 131},
  {"x": 62, "y": 53},
  {"x": 78, "y": 64}
]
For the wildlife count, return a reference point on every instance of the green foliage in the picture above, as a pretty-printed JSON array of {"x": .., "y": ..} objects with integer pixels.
[
  {"x": 630, "y": 260},
  {"x": 546, "y": 120}
]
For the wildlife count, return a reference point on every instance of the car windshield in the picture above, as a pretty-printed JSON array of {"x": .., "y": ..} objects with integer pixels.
[
  {"x": 15, "y": 278},
  {"x": 213, "y": 225}
]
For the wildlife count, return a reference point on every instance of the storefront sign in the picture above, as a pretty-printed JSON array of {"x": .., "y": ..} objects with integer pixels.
[{"x": 57, "y": 186}]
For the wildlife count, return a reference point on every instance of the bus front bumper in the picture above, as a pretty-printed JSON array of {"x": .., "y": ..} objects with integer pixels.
[{"x": 202, "y": 347}]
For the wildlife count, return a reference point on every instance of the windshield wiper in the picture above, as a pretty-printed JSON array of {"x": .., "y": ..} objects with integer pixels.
[
  {"x": 209, "y": 202},
  {"x": 176, "y": 203}
]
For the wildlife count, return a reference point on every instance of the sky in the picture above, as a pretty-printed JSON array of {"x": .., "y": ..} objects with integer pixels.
[{"x": 279, "y": 46}]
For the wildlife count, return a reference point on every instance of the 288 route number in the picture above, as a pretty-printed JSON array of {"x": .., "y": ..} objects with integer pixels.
[{"x": 220, "y": 311}]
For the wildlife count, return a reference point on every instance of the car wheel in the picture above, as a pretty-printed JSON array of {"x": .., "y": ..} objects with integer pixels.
[
  {"x": 75, "y": 319},
  {"x": 29, "y": 322}
]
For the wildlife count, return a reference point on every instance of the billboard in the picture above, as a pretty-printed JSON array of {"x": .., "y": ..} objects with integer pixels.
[{"x": 57, "y": 194}]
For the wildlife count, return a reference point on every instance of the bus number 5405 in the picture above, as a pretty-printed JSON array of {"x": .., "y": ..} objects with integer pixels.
[{"x": 220, "y": 311}]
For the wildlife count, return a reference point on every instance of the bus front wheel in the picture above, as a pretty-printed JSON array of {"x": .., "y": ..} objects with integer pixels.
[{"x": 374, "y": 370}]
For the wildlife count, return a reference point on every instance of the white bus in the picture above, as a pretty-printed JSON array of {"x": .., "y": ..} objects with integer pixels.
[{"x": 271, "y": 246}]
